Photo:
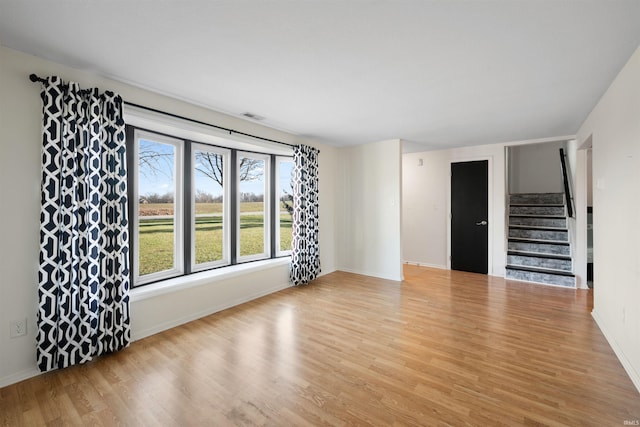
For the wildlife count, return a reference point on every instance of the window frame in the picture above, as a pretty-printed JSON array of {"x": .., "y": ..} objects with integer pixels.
[
  {"x": 278, "y": 189},
  {"x": 226, "y": 207},
  {"x": 266, "y": 209},
  {"x": 178, "y": 208}
]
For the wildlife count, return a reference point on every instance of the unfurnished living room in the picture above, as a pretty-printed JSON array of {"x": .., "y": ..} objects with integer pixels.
[{"x": 320, "y": 212}]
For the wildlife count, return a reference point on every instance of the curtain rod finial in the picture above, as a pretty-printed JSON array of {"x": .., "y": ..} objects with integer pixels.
[{"x": 33, "y": 77}]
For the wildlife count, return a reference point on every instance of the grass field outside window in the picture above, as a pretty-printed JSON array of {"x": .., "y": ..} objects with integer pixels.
[{"x": 157, "y": 238}]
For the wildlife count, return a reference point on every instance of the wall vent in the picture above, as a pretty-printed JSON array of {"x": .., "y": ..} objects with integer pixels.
[{"x": 253, "y": 116}]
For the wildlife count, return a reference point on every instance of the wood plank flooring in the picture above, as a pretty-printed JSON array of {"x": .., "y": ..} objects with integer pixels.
[{"x": 440, "y": 348}]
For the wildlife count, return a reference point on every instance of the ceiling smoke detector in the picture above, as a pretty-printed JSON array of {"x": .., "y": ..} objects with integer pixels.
[{"x": 253, "y": 116}]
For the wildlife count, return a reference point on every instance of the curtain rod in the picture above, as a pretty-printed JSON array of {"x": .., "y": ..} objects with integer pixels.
[{"x": 35, "y": 78}]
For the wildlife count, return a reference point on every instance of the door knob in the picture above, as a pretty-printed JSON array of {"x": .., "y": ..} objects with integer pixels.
[{"x": 482, "y": 223}]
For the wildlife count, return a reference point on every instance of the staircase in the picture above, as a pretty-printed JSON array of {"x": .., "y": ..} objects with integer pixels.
[{"x": 538, "y": 241}]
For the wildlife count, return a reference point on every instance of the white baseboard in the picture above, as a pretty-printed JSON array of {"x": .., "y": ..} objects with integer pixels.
[
  {"x": 19, "y": 376},
  {"x": 370, "y": 274},
  {"x": 626, "y": 363},
  {"x": 426, "y": 264},
  {"x": 137, "y": 335}
]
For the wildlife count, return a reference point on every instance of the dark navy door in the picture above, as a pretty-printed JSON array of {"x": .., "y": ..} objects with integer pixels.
[{"x": 469, "y": 216}]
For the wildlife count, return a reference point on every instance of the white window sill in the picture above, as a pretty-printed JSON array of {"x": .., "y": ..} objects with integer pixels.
[{"x": 202, "y": 278}]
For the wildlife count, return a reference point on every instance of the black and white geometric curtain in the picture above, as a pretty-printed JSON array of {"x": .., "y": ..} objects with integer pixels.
[
  {"x": 305, "y": 256},
  {"x": 84, "y": 242}
]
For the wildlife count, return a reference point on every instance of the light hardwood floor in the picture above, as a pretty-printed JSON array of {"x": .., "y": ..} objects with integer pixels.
[{"x": 440, "y": 348}]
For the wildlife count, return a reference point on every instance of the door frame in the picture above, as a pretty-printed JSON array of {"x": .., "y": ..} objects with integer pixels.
[
  {"x": 580, "y": 198},
  {"x": 489, "y": 206}
]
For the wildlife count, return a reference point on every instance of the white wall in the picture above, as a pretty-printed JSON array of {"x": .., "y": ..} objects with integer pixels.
[
  {"x": 20, "y": 145},
  {"x": 425, "y": 192},
  {"x": 426, "y": 205},
  {"x": 536, "y": 168},
  {"x": 371, "y": 196},
  {"x": 614, "y": 127}
]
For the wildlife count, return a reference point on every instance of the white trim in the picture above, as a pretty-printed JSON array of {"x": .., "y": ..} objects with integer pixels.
[
  {"x": 624, "y": 360},
  {"x": 19, "y": 376},
  {"x": 489, "y": 209}
]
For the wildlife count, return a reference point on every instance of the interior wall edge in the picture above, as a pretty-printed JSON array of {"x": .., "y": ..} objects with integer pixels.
[{"x": 622, "y": 357}]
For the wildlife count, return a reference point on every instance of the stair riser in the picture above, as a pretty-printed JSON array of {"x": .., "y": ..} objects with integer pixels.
[
  {"x": 549, "y": 279},
  {"x": 543, "y": 199},
  {"x": 539, "y": 222},
  {"x": 537, "y": 210},
  {"x": 530, "y": 261},
  {"x": 558, "y": 236},
  {"x": 541, "y": 248}
]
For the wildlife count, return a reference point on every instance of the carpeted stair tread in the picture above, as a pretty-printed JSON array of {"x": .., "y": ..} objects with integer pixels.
[
  {"x": 536, "y": 198},
  {"x": 535, "y": 205},
  {"x": 529, "y": 240},
  {"x": 539, "y": 234},
  {"x": 538, "y": 216},
  {"x": 538, "y": 210},
  {"x": 537, "y": 227},
  {"x": 540, "y": 262},
  {"x": 541, "y": 278},
  {"x": 551, "y": 242},
  {"x": 562, "y": 249},
  {"x": 539, "y": 255},
  {"x": 541, "y": 270}
]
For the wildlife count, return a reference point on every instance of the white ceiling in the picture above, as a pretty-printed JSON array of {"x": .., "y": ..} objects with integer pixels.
[{"x": 436, "y": 73}]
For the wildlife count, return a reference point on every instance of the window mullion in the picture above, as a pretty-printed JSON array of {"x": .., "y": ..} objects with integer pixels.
[
  {"x": 132, "y": 173},
  {"x": 275, "y": 206},
  {"x": 234, "y": 206},
  {"x": 188, "y": 210}
]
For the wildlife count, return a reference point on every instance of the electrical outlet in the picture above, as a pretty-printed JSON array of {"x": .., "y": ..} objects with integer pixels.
[{"x": 18, "y": 328}]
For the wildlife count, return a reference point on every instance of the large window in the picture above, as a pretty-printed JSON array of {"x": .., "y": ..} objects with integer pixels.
[{"x": 199, "y": 206}]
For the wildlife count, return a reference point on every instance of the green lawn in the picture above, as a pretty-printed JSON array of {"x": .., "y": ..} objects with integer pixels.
[
  {"x": 150, "y": 209},
  {"x": 156, "y": 238},
  {"x": 156, "y": 245}
]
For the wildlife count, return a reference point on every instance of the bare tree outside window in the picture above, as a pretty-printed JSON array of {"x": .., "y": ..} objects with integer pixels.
[
  {"x": 210, "y": 165},
  {"x": 152, "y": 163}
]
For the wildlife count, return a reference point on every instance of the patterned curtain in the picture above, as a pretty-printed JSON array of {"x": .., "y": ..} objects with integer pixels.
[
  {"x": 305, "y": 257},
  {"x": 84, "y": 242}
]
